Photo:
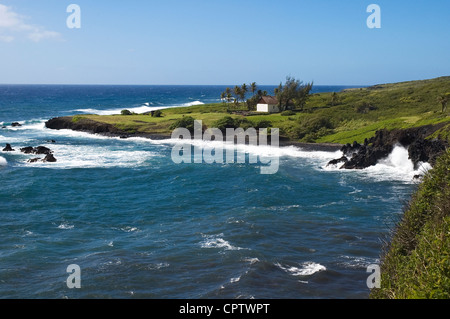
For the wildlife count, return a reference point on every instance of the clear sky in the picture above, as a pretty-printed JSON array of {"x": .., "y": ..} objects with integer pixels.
[{"x": 223, "y": 42}]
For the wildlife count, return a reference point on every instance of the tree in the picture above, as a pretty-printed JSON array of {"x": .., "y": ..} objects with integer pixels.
[
  {"x": 293, "y": 94},
  {"x": 237, "y": 94},
  {"x": 253, "y": 88},
  {"x": 243, "y": 93},
  {"x": 443, "y": 100},
  {"x": 223, "y": 96},
  {"x": 279, "y": 95},
  {"x": 228, "y": 95}
]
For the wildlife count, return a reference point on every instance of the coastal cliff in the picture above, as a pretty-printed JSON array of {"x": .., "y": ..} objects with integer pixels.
[{"x": 416, "y": 263}]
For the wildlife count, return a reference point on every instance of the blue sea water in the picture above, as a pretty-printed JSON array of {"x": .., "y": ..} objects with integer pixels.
[{"x": 140, "y": 226}]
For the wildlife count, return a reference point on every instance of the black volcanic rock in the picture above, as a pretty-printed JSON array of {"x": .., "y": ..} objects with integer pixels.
[
  {"x": 49, "y": 158},
  {"x": 343, "y": 159},
  {"x": 42, "y": 150},
  {"x": 8, "y": 148},
  {"x": 381, "y": 145},
  {"x": 16, "y": 124},
  {"x": 27, "y": 150},
  {"x": 34, "y": 160}
]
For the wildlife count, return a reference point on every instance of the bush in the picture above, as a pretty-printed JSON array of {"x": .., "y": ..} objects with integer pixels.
[
  {"x": 263, "y": 124},
  {"x": 287, "y": 113},
  {"x": 364, "y": 107},
  {"x": 185, "y": 122},
  {"x": 313, "y": 127},
  {"x": 226, "y": 122},
  {"x": 156, "y": 113},
  {"x": 126, "y": 112},
  {"x": 244, "y": 123}
]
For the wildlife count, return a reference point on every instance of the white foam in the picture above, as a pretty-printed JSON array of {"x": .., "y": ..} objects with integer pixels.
[
  {"x": 66, "y": 226},
  {"x": 145, "y": 108},
  {"x": 251, "y": 260},
  {"x": 216, "y": 241},
  {"x": 3, "y": 161},
  {"x": 94, "y": 156},
  {"x": 306, "y": 269},
  {"x": 397, "y": 166}
]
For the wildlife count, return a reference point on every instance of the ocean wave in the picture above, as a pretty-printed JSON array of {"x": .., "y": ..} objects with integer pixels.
[
  {"x": 66, "y": 226},
  {"x": 216, "y": 241},
  {"x": 145, "y": 108},
  {"x": 306, "y": 269},
  {"x": 396, "y": 167},
  {"x": 3, "y": 161},
  {"x": 94, "y": 156}
]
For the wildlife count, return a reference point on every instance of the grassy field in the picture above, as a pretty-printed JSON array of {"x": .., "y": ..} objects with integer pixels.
[{"x": 356, "y": 114}]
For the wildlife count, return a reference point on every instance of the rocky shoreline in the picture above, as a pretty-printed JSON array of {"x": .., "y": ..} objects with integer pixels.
[
  {"x": 420, "y": 148},
  {"x": 355, "y": 156},
  {"x": 89, "y": 126}
]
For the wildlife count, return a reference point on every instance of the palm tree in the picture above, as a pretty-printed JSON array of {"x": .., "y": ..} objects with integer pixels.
[
  {"x": 253, "y": 88},
  {"x": 244, "y": 90},
  {"x": 443, "y": 99},
  {"x": 237, "y": 94},
  {"x": 223, "y": 96},
  {"x": 229, "y": 96}
]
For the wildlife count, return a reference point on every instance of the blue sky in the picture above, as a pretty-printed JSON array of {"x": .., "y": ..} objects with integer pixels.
[{"x": 222, "y": 42}]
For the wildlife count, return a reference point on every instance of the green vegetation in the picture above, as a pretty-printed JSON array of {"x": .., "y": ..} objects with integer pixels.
[
  {"x": 335, "y": 117},
  {"x": 417, "y": 263}
]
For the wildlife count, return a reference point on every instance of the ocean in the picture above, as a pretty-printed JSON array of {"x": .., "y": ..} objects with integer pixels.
[{"x": 140, "y": 226}]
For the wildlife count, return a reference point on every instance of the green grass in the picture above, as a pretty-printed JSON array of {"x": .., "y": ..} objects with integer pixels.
[
  {"x": 417, "y": 262},
  {"x": 358, "y": 114}
]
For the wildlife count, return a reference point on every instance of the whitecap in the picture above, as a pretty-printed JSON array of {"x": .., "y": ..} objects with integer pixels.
[
  {"x": 216, "y": 241},
  {"x": 129, "y": 229},
  {"x": 233, "y": 280},
  {"x": 252, "y": 260},
  {"x": 66, "y": 226},
  {"x": 306, "y": 269},
  {"x": 3, "y": 161}
]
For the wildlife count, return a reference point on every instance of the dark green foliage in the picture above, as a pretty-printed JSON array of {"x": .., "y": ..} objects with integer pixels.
[
  {"x": 288, "y": 113},
  {"x": 226, "y": 122},
  {"x": 310, "y": 128},
  {"x": 156, "y": 113},
  {"x": 185, "y": 122},
  {"x": 126, "y": 112},
  {"x": 364, "y": 107},
  {"x": 263, "y": 124},
  {"x": 293, "y": 94}
]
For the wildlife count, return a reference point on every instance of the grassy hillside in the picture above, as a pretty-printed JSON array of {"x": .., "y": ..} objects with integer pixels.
[
  {"x": 355, "y": 114},
  {"x": 417, "y": 263}
]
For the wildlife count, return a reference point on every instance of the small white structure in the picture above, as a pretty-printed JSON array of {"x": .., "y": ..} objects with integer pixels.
[{"x": 268, "y": 104}]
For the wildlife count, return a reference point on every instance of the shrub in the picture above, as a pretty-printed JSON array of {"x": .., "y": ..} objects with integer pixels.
[
  {"x": 287, "y": 113},
  {"x": 156, "y": 113},
  {"x": 263, "y": 124},
  {"x": 226, "y": 122},
  {"x": 313, "y": 127},
  {"x": 364, "y": 107},
  {"x": 185, "y": 122},
  {"x": 126, "y": 112}
]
